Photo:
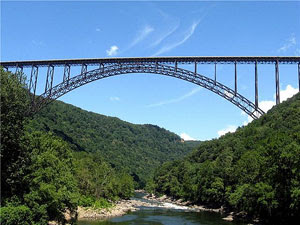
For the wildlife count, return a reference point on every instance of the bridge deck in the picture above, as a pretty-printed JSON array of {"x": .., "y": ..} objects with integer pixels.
[{"x": 165, "y": 60}]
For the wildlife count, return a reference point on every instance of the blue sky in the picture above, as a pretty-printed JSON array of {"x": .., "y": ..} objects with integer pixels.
[{"x": 65, "y": 30}]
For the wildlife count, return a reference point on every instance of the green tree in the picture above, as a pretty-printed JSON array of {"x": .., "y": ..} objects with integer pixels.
[
  {"x": 13, "y": 104},
  {"x": 52, "y": 186}
]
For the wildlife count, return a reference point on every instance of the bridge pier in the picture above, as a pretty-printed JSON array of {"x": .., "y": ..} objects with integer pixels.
[
  {"x": 49, "y": 79},
  {"x": 33, "y": 81},
  {"x": 101, "y": 66},
  {"x": 277, "y": 83},
  {"x": 19, "y": 70},
  {"x": 256, "y": 86},
  {"x": 299, "y": 75},
  {"x": 215, "y": 73},
  {"x": 235, "y": 79},
  {"x": 67, "y": 71},
  {"x": 83, "y": 68}
]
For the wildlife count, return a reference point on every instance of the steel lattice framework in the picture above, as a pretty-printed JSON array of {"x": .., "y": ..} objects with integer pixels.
[{"x": 167, "y": 66}]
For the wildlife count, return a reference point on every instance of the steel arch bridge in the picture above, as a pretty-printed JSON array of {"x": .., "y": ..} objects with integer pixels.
[{"x": 167, "y": 66}]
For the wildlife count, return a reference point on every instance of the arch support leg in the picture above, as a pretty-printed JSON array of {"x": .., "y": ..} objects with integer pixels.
[{"x": 277, "y": 83}]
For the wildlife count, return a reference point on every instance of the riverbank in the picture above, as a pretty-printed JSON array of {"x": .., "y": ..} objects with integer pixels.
[
  {"x": 145, "y": 200},
  {"x": 228, "y": 216},
  {"x": 165, "y": 199},
  {"x": 123, "y": 207}
]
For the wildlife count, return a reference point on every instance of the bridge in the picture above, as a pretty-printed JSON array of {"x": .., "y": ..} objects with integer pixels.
[{"x": 168, "y": 66}]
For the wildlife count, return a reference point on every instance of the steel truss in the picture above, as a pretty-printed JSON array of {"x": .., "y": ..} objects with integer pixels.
[{"x": 155, "y": 68}]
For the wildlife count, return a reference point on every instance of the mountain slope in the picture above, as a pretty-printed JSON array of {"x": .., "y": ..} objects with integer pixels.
[
  {"x": 255, "y": 170},
  {"x": 139, "y": 148}
]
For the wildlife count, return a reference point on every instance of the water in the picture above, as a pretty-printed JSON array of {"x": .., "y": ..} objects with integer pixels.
[{"x": 164, "y": 214}]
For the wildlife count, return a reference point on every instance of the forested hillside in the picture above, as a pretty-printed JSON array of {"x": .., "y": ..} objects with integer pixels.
[
  {"x": 255, "y": 170},
  {"x": 41, "y": 177},
  {"x": 138, "y": 148}
]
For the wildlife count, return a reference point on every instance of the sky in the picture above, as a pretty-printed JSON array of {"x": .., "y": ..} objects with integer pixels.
[{"x": 42, "y": 30}]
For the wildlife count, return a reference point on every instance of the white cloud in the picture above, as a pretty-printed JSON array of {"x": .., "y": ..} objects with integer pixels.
[
  {"x": 186, "y": 137},
  {"x": 165, "y": 35},
  {"x": 171, "y": 46},
  {"x": 266, "y": 105},
  {"x": 189, "y": 94},
  {"x": 112, "y": 51},
  {"x": 288, "y": 44},
  {"x": 114, "y": 99},
  {"x": 98, "y": 29},
  {"x": 230, "y": 128},
  {"x": 141, "y": 35},
  {"x": 286, "y": 93}
]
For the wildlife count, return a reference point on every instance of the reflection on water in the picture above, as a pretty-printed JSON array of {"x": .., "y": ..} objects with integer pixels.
[
  {"x": 159, "y": 216},
  {"x": 162, "y": 214}
]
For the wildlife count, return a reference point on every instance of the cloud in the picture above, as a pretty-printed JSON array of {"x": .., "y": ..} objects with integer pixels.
[
  {"x": 287, "y": 93},
  {"x": 114, "y": 98},
  {"x": 181, "y": 98},
  {"x": 141, "y": 35},
  {"x": 266, "y": 105},
  {"x": 190, "y": 31},
  {"x": 98, "y": 29},
  {"x": 172, "y": 25},
  {"x": 186, "y": 137},
  {"x": 165, "y": 35},
  {"x": 112, "y": 51},
  {"x": 291, "y": 42},
  {"x": 230, "y": 128}
]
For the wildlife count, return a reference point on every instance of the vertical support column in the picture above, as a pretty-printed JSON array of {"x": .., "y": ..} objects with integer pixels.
[
  {"x": 156, "y": 65},
  {"x": 299, "y": 75},
  {"x": 256, "y": 86},
  {"x": 215, "y": 73},
  {"x": 33, "y": 81},
  {"x": 19, "y": 72},
  {"x": 49, "y": 80},
  {"x": 67, "y": 71},
  {"x": 277, "y": 83},
  {"x": 101, "y": 66},
  {"x": 83, "y": 68},
  {"x": 175, "y": 66},
  {"x": 195, "y": 68},
  {"x": 19, "y": 69},
  {"x": 235, "y": 79}
]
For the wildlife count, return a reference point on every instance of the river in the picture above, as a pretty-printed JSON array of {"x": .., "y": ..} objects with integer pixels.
[{"x": 163, "y": 214}]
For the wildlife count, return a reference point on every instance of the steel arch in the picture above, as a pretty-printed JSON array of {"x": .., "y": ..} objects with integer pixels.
[{"x": 117, "y": 69}]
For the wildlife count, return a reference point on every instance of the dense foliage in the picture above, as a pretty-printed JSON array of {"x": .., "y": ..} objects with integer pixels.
[
  {"x": 41, "y": 179},
  {"x": 13, "y": 103},
  {"x": 256, "y": 169},
  {"x": 97, "y": 179},
  {"x": 137, "y": 148}
]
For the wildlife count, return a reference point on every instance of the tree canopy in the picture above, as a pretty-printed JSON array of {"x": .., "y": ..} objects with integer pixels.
[{"x": 256, "y": 169}]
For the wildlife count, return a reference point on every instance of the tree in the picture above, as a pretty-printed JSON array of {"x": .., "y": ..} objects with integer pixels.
[
  {"x": 52, "y": 185},
  {"x": 13, "y": 104}
]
